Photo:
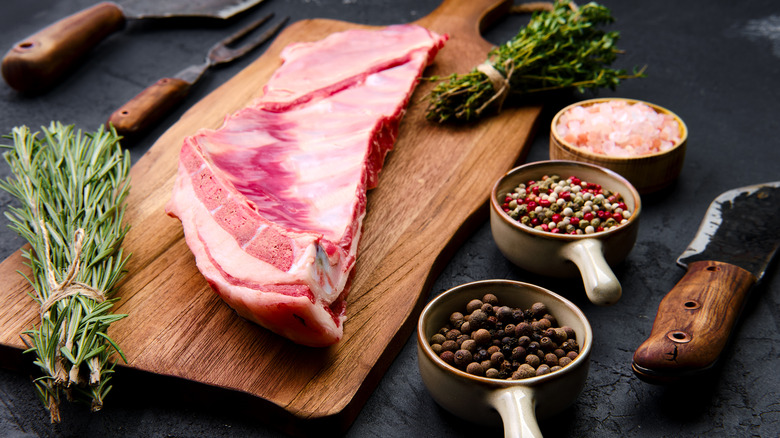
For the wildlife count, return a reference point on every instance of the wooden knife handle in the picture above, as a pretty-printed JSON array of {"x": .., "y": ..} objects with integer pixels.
[
  {"x": 693, "y": 322},
  {"x": 36, "y": 63},
  {"x": 149, "y": 106}
]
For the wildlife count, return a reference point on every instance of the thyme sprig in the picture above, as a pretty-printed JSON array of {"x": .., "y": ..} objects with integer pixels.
[
  {"x": 558, "y": 49},
  {"x": 72, "y": 188}
]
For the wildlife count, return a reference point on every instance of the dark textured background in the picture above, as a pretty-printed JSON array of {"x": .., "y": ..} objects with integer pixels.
[{"x": 715, "y": 63}]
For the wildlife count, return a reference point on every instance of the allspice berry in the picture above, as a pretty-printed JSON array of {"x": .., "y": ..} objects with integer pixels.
[
  {"x": 497, "y": 358},
  {"x": 477, "y": 319},
  {"x": 482, "y": 337},
  {"x": 523, "y": 341},
  {"x": 490, "y": 298},
  {"x": 455, "y": 317},
  {"x": 547, "y": 344},
  {"x": 523, "y": 329},
  {"x": 518, "y": 354},
  {"x": 448, "y": 356},
  {"x": 504, "y": 314},
  {"x": 560, "y": 335},
  {"x": 470, "y": 345},
  {"x": 462, "y": 358},
  {"x": 541, "y": 325},
  {"x": 475, "y": 369},
  {"x": 449, "y": 345},
  {"x": 539, "y": 309},
  {"x": 473, "y": 305},
  {"x": 524, "y": 371}
]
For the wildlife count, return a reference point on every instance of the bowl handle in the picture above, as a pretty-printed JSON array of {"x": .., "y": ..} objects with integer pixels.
[
  {"x": 517, "y": 407},
  {"x": 601, "y": 286}
]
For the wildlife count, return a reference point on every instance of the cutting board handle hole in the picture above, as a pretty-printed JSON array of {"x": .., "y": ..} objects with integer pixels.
[
  {"x": 713, "y": 268},
  {"x": 691, "y": 304}
]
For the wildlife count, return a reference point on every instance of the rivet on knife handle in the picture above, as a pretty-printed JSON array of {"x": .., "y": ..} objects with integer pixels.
[
  {"x": 149, "y": 106},
  {"x": 36, "y": 63},
  {"x": 693, "y": 322}
]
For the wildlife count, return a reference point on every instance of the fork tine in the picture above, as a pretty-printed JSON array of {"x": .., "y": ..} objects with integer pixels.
[
  {"x": 242, "y": 32},
  {"x": 221, "y": 53}
]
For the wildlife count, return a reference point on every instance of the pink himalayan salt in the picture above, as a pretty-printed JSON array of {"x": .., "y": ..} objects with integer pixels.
[{"x": 618, "y": 128}]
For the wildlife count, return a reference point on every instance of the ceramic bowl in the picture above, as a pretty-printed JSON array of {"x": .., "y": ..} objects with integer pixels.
[
  {"x": 564, "y": 255},
  {"x": 648, "y": 173},
  {"x": 515, "y": 403}
]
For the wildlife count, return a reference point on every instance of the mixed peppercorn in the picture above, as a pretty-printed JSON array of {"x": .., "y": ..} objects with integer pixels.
[
  {"x": 569, "y": 206},
  {"x": 502, "y": 342}
]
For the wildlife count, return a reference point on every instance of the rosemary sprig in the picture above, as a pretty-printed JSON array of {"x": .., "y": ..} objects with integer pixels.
[
  {"x": 72, "y": 189},
  {"x": 559, "y": 48}
]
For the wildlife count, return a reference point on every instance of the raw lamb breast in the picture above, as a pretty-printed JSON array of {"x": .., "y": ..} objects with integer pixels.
[{"x": 272, "y": 202}]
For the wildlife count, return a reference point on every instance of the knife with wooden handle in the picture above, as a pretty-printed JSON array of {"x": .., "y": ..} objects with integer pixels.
[
  {"x": 36, "y": 63},
  {"x": 735, "y": 243}
]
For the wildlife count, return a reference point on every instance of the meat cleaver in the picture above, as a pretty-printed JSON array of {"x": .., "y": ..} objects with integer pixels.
[
  {"x": 37, "y": 62},
  {"x": 735, "y": 243}
]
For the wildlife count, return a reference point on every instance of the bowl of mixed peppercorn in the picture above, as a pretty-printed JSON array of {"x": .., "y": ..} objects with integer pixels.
[
  {"x": 567, "y": 219},
  {"x": 502, "y": 351}
]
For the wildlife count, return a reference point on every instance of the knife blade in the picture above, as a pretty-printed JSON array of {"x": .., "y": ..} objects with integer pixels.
[
  {"x": 735, "y": 243},
  {"x": 36, "y": 63}
]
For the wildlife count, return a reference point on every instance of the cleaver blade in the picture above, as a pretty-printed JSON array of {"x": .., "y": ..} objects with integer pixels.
[
  {"x": 36, "y": 63},
  {"x": 735, "y": 243}
]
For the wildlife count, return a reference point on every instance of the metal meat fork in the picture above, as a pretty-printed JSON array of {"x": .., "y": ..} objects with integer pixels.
[{"x": 152, "y": 104}]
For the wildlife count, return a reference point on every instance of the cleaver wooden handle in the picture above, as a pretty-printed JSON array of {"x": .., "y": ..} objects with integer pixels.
[
  {"x": 693, "y": 322},
  {"x": 149, "y": 107},
  {"x": 39, "y": 61}
]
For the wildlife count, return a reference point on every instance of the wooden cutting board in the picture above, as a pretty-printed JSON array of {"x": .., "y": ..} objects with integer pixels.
[{"x": 431, "y": 195}]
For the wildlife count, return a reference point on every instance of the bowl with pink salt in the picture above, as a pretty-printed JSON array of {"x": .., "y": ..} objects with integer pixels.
[{"x": 641, "y": 141}]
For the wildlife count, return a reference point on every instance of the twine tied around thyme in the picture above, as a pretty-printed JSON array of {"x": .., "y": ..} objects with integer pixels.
[{"x": 500, "y": 82}]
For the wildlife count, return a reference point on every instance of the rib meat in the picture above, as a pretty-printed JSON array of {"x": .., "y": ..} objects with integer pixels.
[{"x": 272, "y": 202}]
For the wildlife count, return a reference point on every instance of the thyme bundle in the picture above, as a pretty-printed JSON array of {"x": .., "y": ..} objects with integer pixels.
[
  {"x": 72, "y": 189},
  {"x": 559, "y": 48}
]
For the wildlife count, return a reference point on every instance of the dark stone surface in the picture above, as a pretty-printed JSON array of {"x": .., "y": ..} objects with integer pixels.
[{"x": 716, "y": 64}]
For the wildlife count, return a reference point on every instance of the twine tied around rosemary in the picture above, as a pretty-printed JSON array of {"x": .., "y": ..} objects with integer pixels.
[
  {"x": 59, "y": 291},
  {"x": 69, "y": 287}
]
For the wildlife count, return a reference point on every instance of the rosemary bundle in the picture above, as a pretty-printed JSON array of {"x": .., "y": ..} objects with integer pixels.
[
  {"x": 560, "y": 48},
  {"x": 72, "y": 189}
]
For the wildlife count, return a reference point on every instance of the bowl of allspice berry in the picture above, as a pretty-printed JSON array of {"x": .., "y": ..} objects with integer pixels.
[{"x": 514, "y": 350}]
